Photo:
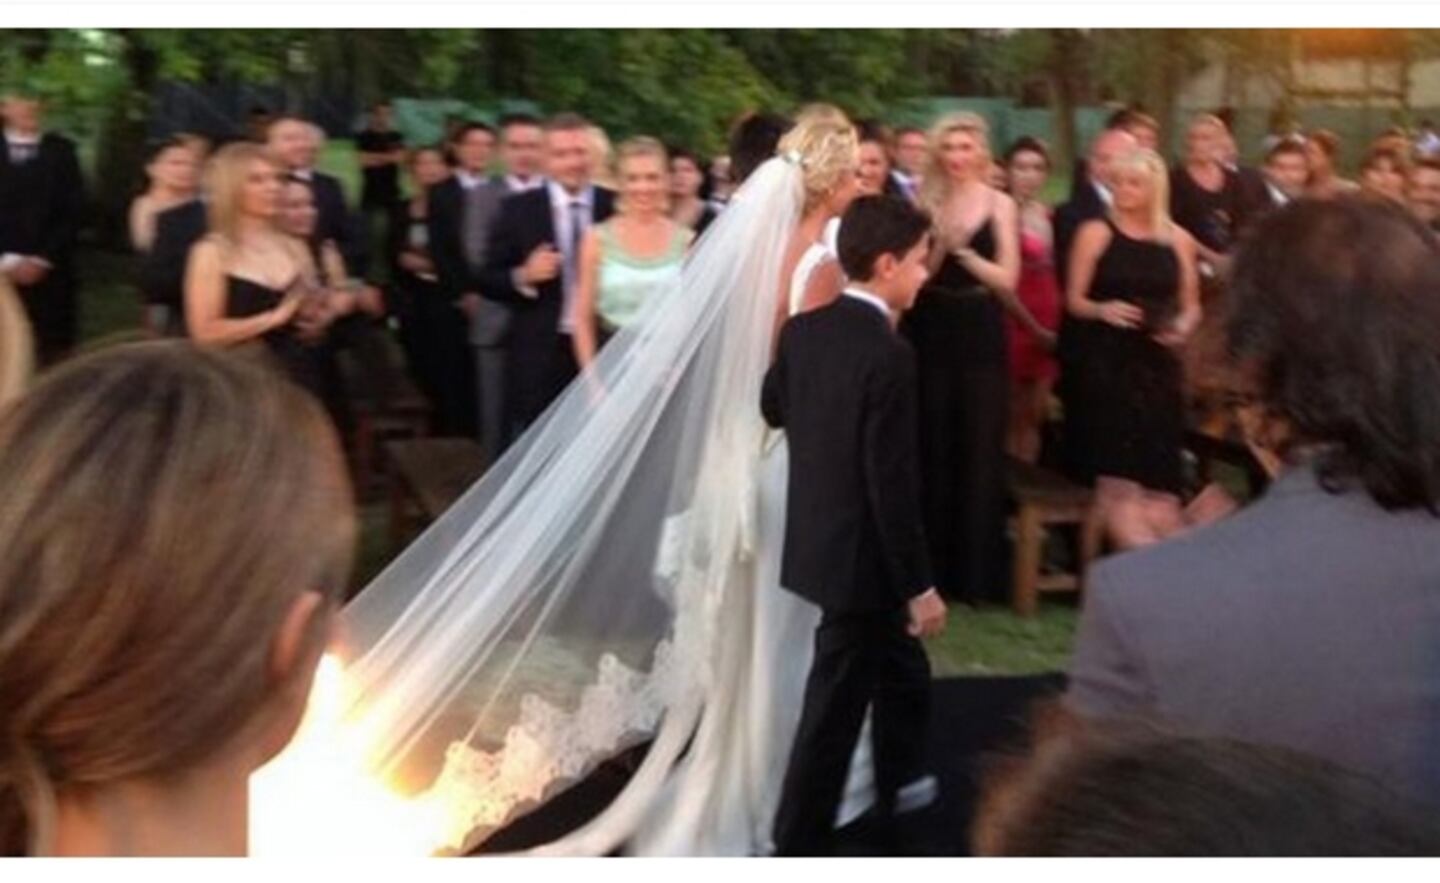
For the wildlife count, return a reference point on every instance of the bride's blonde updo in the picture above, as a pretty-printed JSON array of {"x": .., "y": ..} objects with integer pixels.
[{"x": 825, "y": 145}]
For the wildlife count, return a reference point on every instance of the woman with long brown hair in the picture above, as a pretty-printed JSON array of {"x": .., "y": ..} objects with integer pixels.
[{"x": 177, "y": 527}]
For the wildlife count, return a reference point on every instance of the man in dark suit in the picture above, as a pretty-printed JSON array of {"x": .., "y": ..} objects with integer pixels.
[
  {"x": 163, "y": 272},
  {"x": 296, "y": 143},
  {"x": 843, "y": 389},
  {"x": 533, "y": 264},
  {"x": 1309, "y": 619},
  {"x": 462, "y": 210},
  {"x": 1091, "y": 199},
  {"x": 41, "y": 202}
]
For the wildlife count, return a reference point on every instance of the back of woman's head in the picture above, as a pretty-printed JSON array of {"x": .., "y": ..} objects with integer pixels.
[
  {"x": 164, "y": 509},
  {"x": 1129, "y": 789},
  {"x": 1334, "y": 328},
  {"x": 825, "y": 144}
]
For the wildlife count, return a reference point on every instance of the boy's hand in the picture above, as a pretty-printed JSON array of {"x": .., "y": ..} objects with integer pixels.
[{"x": 927, "y": 615}]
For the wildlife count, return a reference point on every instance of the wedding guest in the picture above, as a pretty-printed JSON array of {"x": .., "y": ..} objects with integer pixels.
[
  {"x": 246, "y": 281},
  {"x": 1422, "y": 192},
  {"x": 296, "y": 144},
  {"x": 602, "y": 159},
  {"x": 532, "y": 263},
  {"x": 911, "y": 149},
  {"x": 1091, "y": 198},
  {"x": 257, "y": 124},
  {"x": 414, "y": 280},
  {"x": 1306, "y": 620},
  {"x": 177, "y": 229},
  {"x": 753, "y": 141},
  {"x": 1143, "y": 126},
  {"x": 632, "y": 257},
  {"x": 382, "y": 152},
  {"x": 41, "y": 202},
  {"x": 874, "y": 171},
  {"x": 721, "y": 184},
  {"x": 159, "y": 648},
  {"x": 1136, "y": 790},
  {"x": 461, "y": 211},
  {"x": 173, "y": 177},
  {"x": 1287, "y": 171},
  {"x": 173, "y": 173},
  {"x": 1133, "y": 293},
  {"x": 1205, "y": 194},
  {"x": 957, "y": 327},
  {"x": 1383, "y": 172},
  {"x": 1032, "y": 361},
  {"x": 1324, "y": 149},
  {"x": 17, "y": 347},
  {"x": 522, "y": 157},
  {"x": 688, "y": 206}
]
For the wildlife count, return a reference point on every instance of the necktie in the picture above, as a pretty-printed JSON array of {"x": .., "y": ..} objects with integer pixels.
[
  {"x": 473, "y": 236},
  {"x": 572, "y": 254}
]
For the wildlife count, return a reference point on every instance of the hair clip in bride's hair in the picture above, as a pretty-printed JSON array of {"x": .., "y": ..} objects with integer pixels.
[{"x": 794, "y": 158}]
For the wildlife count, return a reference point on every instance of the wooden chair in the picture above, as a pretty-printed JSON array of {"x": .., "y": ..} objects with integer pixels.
[
  {"x": 384, "y": 401},
  {"x": 427, "y": 476},
  {"x": 1045, "y": 499}
]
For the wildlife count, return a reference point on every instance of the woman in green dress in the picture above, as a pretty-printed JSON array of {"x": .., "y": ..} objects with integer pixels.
[{"x": 633, "y": 256}]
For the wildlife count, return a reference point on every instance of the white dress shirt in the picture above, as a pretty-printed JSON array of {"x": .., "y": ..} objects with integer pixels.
[
  {"x": 516, "y": 184},
  {"x": 873, "y": 300}
]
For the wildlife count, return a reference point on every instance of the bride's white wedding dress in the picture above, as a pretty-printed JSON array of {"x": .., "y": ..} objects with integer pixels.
[
  {"x": 722, "y": 798},
  {"x": 613, "y": 580}
]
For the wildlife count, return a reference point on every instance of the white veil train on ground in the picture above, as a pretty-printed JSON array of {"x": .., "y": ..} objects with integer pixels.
[{"x": 559, "y": 612}]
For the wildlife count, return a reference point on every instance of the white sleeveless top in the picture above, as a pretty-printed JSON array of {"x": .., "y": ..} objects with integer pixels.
[{"x": 813, "y": 257}]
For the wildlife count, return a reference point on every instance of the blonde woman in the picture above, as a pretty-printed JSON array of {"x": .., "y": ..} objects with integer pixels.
[
  {"x": 631, "y": 257},
  {"x": 17, "y": 348},
  {"x": 1134, "y": 296},
  {"x": 247, "y": 281},
  {"x": 958, "y": 329},
  {"x": 157, "y": 649}
]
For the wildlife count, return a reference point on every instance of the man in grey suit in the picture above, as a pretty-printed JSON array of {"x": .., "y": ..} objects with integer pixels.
[
  {"x": 1311, "y": 619},
  {"x": 521, "y": 138}
]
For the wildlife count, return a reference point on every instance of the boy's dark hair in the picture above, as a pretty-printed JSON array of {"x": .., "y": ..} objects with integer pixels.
[
  {"x": 875, "y": 226},
  {"x": 753, "y": 141}
]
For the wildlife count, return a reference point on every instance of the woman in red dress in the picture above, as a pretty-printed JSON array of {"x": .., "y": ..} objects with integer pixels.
[{"x": 1033, "y": 367}]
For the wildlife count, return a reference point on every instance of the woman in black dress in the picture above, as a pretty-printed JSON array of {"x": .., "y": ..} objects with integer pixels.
[
  {"x": 957, "y": 327},
  {"x": 249, "y": 284},
  {"x": 1133, "y": 296},
  {"x": 414, "y": 290}
]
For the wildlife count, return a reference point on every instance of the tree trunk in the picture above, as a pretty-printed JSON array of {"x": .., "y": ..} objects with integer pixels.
[{"x": 1064, "y": 75}]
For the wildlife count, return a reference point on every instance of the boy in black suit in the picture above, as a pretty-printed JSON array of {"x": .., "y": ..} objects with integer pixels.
[{"x": 843, "y": 388}]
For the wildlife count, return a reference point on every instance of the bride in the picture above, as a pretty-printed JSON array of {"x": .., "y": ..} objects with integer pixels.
[{"x": 614, "y": 579}]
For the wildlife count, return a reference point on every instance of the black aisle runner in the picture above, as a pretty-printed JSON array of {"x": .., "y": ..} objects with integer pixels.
[{"x": 973, "y": 717}]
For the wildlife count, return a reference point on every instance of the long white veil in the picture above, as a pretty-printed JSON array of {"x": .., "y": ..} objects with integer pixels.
[{"x": 560, "y": 611}]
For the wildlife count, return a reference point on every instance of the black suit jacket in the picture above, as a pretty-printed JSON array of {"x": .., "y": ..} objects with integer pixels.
[
  {"x": 843, "y": 387},
  {"x": 524, "y": 224},
  {"x": 42, "y": 203},
  {"x": 163, "y": 273},
  {"x": 1084, "y": 205}
]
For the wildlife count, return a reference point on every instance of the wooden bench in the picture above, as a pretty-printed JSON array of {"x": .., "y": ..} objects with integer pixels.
[
  {"x": 1044, "y": 499},
  {"x": 427, "y": 476},
  {"x": 385, "y": 402}
]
